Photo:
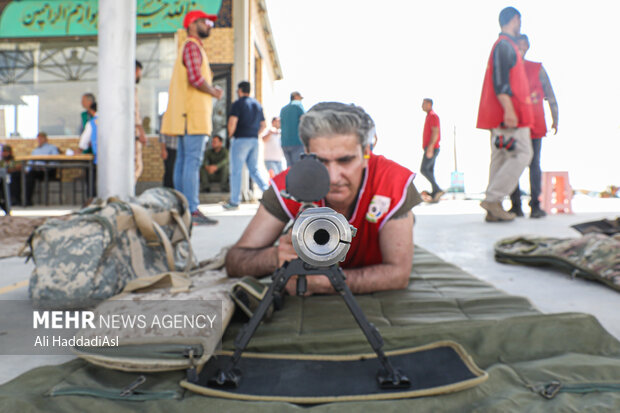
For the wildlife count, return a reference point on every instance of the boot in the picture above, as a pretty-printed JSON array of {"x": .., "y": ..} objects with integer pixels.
[
  {"x": 537, "y": 212},
  {"x": 496, "y": 212},
  {"x": 516, "y": 209}
]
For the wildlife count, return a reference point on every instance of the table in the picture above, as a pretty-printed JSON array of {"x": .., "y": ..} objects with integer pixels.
[{"x": 47, "y": 162}]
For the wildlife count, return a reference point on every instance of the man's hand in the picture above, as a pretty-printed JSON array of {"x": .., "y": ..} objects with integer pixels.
[
  {"x": 164, "y": 152},
  {"x": 554, "y": 126},
  {"x": 430, "y": 151},
  {"x": 217, "y": 92},
  {"x": 211, "y": 169},
  {"x": 510, "y": 119},
  {"x": 286, "y": 252}
]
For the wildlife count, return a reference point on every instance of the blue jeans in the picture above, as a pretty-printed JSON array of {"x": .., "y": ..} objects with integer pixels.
[
  {"x": 244, "y": 151},
  {"x": 190, "y": 151},
  {"x": 292, "y": 154},
  {"x": 427, "y": 169},
  {"x": 275, "y": 166}
]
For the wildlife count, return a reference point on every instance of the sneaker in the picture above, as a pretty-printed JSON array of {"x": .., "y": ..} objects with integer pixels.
[
  {"x": 437, "y": 196},
  {"x": 230, "y": 206},
  {"x": 537, "y": 213},
  {"x": 495, "y": 212},
  {"x": 516, "y": 209},
  {"x": 198, "y": 218}
]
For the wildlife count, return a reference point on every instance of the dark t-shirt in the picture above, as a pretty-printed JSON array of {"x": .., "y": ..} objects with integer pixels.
[{"x": 250, "y": 115}]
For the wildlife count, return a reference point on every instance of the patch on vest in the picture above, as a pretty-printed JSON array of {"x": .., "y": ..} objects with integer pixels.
[{"x": 378, "y": 207}]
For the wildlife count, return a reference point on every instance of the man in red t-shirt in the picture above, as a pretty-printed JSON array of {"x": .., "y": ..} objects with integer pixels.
[
  {"x": 430, "y": 143},
  {"x": 373, "y": 193}
]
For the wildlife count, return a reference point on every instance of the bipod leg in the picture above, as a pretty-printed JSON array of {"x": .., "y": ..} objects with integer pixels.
[
  {"x": 388, "y": 377},
  {"x": 230, "y": 376}
]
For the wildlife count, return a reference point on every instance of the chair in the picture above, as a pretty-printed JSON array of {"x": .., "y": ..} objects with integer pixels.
[{"x": 557, "y": 193}]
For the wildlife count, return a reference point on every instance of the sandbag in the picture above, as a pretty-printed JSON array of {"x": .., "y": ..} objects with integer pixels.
[
  {"x": 593, "y": 256},
  {"x": 91, "y": 256}
]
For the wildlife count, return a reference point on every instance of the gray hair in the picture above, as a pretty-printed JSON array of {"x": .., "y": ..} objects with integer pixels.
[{"x": 327, "y": 119}]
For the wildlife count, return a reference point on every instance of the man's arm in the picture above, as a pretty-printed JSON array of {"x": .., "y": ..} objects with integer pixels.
[
  {"x": 396, "y": 243},
  {"x": 254, "y": 254},
  {"x": 261, "y": 127},
  {"x": 192, "y": 59},
  {"x": 232, "y": 125},
  {"x": 430, "y": 149},
  {"x": 550, "y": 96},
  {"x": 504, "y": 58}
]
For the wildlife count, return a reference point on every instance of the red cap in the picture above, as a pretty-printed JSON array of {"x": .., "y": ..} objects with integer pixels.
[{"x": 194, "y": 15}]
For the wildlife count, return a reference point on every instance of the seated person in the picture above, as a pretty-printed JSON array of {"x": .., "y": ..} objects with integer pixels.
[
  {"x": 375, "y": 194},
  {"x": 33, "y": 173},
  {"x": 215, "y": 166}
]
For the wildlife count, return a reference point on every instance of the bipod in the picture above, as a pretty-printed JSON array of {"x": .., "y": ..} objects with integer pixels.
[{"x": 388, "y": 377}]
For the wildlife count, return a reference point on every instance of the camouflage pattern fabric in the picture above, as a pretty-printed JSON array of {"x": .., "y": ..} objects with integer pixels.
[
  {"x": 142, "y": 349},
  {"x": 90, "y": 256},
  {"x": 593, "y": 256}
]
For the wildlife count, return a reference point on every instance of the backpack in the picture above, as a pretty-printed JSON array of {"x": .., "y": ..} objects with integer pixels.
[{"x": 89, "y": 257}]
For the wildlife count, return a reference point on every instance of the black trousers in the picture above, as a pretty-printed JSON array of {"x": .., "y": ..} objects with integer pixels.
[
  {"x": 169, "y": 168},
  {"x": 427, "y": 169},
  {"x": 535, "y": 179}
]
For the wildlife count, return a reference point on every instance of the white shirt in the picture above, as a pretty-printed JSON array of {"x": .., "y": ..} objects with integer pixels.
[
  {"x": 273, "y": 146},
  {"x": 85, "y": 136}
]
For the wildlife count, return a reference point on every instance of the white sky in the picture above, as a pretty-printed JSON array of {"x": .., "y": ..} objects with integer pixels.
[{"x": 388, "y": 55}]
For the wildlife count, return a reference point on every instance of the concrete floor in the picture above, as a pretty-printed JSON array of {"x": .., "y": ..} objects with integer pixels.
[{"x": 453, "y": 229}]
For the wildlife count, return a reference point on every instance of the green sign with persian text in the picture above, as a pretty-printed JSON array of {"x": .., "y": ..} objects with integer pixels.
[{"x": 55, "y": 18}]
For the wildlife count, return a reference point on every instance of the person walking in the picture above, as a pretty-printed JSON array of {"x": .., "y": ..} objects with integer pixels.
[
  {"x": 540, "y": 88},
  {"x": 190, "y": 107},
  {"x": 430, "y": 143},
  {"x": 245, "y": 124},
  {"x": 506, "y": 111},
  {"x": 289, "y": 119}
]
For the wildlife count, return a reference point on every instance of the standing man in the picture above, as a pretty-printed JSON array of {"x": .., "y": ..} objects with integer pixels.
[
  {"x": 289, "y": 119},
  {"x": 87, "y": 100},
  {"x": 273, "y": 148},
  {"x": 430, "y": 143},
  {"x": 506, "y": 111},
  {"x": 190, "y": 106},
  {"x": 245, "y": 123},
  {"x": 540, "y": 87},
  {"x": 139, "y": 135},
  {"x": 215, "y": 166}
]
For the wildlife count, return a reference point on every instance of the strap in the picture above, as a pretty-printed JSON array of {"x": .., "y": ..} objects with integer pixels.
[
  {"x": 145, "y": 224},
  {"x": 167, "y": 245},
  {"x": 177, "y": 281},
  {"x": 185, "y": 232}
]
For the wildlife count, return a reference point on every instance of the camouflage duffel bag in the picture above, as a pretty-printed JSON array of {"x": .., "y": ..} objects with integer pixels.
[
  {"x": 593, "y": 256},
  {"x": 90, "y": 256}
]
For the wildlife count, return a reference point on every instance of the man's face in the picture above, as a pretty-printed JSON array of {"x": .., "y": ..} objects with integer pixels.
[
  {"x": 216, "y": 144},
  {"x": 426, "y": 106},
  {"x": 86, "y": 102},
  {"x": 5, "y": 153},
  {"x": 138, "y": 75},
  {"x": 516, "y": 25},
  {"x": 523, "y": 47},
  {"x": 40, "y": 140},
  {"x": 203, "y": 28},
  {"x": 276, "y": 123},
  {"x": 344, "y": 159}
]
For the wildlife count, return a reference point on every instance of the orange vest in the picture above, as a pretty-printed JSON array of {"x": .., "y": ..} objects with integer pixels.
[
  {"x": 189, "y": 109},
  {"x": 491, "y": 112},
  {"x": 382, "y": 193},
  {"x": 537, "y": 94}
]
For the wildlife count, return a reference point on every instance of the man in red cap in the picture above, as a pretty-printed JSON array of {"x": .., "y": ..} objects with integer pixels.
[{"x": 190, "y": 107}]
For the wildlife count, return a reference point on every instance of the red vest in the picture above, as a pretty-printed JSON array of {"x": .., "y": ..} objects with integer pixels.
[
  {"x": 537, "y": 94},
  {"x": 490, "y": 112},
  {"x": 383, "y": 191}
]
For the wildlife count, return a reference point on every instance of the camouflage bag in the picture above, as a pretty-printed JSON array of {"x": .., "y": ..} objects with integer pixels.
[
  {"x": 593, "y": 256},
  {"x": 90, "y": 256}
]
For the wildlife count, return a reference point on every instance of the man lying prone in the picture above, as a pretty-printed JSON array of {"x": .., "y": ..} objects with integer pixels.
[{"x": 375, "y": 195}]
